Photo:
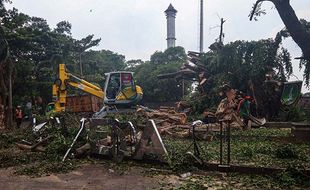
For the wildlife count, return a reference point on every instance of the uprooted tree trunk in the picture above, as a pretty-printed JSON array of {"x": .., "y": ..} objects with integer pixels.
[{"x": 292, "y": 24}]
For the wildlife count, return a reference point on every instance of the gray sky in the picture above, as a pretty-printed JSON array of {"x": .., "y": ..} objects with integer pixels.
[{"x": 137, "y": 28}]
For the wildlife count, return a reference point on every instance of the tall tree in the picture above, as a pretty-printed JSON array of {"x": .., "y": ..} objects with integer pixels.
[
  {"x": 299, "y": 33},
  {"x": 6, "y": 71},
  {"x": 33, "y": 44},
  {"x": 84, "y": 44},
  {"x": 146, "y": 73},
  {"x": 97, "y": 63}
]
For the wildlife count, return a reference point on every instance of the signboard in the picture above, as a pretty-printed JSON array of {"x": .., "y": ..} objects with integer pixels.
[{"x": 291, "y": 93}]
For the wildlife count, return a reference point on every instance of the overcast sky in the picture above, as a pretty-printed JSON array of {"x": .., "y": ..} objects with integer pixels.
[{"x": 137, "y": 28}]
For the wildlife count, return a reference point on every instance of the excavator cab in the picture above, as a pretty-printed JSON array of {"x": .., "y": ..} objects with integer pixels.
[{"x": 121, "y": 90}]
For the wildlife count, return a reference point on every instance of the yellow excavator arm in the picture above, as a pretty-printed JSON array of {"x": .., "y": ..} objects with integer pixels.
[{"x": 67, "y": 79}]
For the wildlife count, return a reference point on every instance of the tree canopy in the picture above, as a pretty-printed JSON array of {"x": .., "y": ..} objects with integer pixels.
[
  {"x": 243, "y": 65},
  {"x": 37, "y": 49},
  {"x": 146, "y": 73}
]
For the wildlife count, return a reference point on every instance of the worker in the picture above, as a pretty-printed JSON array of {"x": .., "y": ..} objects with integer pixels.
[
  {"x": 227, "y": 109},
  {"x": 18, "y": 116}
]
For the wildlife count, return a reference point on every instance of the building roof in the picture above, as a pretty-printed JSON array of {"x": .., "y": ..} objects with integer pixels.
[{"x": 171, "y": 9}]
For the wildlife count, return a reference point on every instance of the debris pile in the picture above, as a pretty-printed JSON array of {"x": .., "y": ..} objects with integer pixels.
[
  {"x": 38, "y": 153},
  {"x": 52, "y": 137},
  {"x": 166, "y": 119},
  {"x": 170, "y": 122},
  {"x": 164, "y": 115}
]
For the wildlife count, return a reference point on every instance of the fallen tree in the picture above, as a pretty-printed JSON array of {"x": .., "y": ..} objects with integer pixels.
[{"x": 297, "y": 29}]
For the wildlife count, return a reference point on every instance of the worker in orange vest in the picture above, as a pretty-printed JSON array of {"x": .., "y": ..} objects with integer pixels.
[{"x": 19, "y": 116}]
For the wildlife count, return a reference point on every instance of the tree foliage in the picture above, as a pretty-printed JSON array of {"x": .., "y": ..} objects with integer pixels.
[
  {"x": 146, "y": 73},
  {"x": 37, "y": 49},
  {"x": 243, "y": 65}
]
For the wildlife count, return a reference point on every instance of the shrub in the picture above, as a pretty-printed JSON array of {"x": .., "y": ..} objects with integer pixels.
[{"x": 287, "y": 151}]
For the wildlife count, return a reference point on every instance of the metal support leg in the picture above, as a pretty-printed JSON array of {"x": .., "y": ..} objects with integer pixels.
[
  {"x": 221, "y": 143},
  {"x": 225, "y": 134}
]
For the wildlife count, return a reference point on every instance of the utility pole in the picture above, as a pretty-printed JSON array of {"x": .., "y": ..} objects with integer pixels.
[
  {"x": 221, "y": 31},
  {"x": 201, "y": 27}
]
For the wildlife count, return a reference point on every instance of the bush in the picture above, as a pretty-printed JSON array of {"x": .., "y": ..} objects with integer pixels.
[
  {"x": 287, "y": 151},
  {"x": 293, "y": 175}
]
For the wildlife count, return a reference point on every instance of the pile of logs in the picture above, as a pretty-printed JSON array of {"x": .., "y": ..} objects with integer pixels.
[
  {"x": 164, "y": 115},
  {"x": 166, "y": 118},
  {"x": 170, "y": 122}
]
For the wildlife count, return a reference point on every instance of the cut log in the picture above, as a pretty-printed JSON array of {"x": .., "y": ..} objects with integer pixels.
[
  {"x": 83, "y": 149},
  {"x": 163, "y": 130},
  {"x": 28, "y": 147},
  {"x": 40, "y": 143},
  {"x": 36, "y": 147},
  {"x": 166, "y": 114},
  {"x": 177, "y": 118}
]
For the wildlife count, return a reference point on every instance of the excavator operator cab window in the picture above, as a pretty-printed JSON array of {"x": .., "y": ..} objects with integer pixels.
[
  {"x": 113, "y": 86},
  {"x": 126, "y": 79}
]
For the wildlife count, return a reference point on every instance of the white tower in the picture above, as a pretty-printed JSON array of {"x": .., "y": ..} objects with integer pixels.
[{"x": 170, "y": 14}]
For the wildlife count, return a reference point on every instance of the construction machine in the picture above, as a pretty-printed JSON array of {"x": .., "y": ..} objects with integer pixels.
[{"x": 119, "y": 89}]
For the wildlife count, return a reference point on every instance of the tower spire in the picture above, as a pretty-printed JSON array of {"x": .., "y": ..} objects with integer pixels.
[{"x": 170, "y": 15}]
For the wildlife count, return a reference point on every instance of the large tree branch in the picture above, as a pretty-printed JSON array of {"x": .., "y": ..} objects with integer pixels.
[
  {"x": 254, "y": 10},
  {"x": 292, "y": 24}
]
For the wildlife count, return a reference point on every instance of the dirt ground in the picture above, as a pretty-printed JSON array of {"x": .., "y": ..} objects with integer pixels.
[
  {"x": 101, "y": 176},
  {"x": 91, "y": 176}
]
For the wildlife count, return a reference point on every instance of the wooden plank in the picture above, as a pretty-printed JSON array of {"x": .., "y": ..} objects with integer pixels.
[
  {"x": 278, "y": 125},
  {"x": 301, "y": 133}
]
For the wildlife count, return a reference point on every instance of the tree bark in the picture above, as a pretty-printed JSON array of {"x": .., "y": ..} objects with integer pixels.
[
  {"x": 10, "y": 102},
  {"x": 5, "y": 71},
  {"x": 293, "y": 25}
]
